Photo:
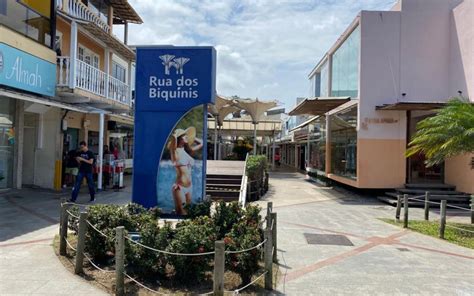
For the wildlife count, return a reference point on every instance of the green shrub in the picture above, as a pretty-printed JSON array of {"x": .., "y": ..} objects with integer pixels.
[
  {"x": 245, "y": 234},
  {"x": 198, "y": 209},
  {"x": 106, "y": 218},
  {"x": 226, "y": 215},
  {"x": 192, "y": 236},
  {"x": 147, "y": 263}
]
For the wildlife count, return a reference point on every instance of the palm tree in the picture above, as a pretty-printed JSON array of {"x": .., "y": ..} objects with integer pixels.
[
  {"x": 449, "y": 133},
  {"x": 179, "y": 62},
  {"x": 167, "y": 60}
]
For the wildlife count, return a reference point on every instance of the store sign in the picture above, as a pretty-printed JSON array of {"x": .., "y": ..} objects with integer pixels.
[
  {"x": 26, "y": 72},
  {"x": 173, "y": 87}
]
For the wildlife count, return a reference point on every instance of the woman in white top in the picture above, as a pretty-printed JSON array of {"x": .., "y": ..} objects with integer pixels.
[{"x": 182, "y": 144}]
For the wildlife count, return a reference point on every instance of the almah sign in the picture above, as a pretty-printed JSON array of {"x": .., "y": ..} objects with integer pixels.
[{"x": 23, "y": 71}]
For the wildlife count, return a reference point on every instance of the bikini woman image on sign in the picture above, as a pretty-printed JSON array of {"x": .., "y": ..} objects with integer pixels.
[{"x": 182, "y": 145}]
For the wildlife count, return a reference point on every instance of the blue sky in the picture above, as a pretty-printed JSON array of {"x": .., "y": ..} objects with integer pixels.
[{"x": 265, "y": 49}]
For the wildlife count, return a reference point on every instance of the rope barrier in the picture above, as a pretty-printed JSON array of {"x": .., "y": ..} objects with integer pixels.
[
  {"x": 458, "y": 228},
  {"x": 431, "y": 202},
  {"x": 69, "y": 244},
  {"x": 236, "y": 292},
  {"x": 72, "y": 215},
  {"x": 169, "y": 253},
  {"x": 95, "y": 228},
  {"x": 96, "y": 266},
  {"x": 461, "y": 208},
  {"x": 246, "y": 250},
  {"x": 143, "y": 286}
]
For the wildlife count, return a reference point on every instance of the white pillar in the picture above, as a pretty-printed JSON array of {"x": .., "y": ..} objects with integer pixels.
[
  {"x": 215, "y": 137},
  {"x": 308, "y": 155},
  {"x": 219, "y": 145},
  {"x": 73, "y": 55},
  {"x": 273, "y": 152},
  {"x": 107, "y": 71},
  {"x": 254, "y": 139},
  {"x": 101, "y": 150}
]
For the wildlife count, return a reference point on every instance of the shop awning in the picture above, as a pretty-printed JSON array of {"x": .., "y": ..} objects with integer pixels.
[
  {"x": 405, "y": 106},
  {"x": 41, "y": 100},
  {"x": 318, "y": 105},
  {"x": 305, "y": 123}
]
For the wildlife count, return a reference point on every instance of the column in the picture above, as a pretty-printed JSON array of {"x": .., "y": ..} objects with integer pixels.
[
  {"x": 328, "y": 144},
  {"x": 101, "y": 150},
  {"x": 254, "y": 139},
  {"x": 215, "y": 137},
  {"x": 18, "y": 148},
  {"x": 73, "y": 55},
  {"x": 107, "y": 71}
]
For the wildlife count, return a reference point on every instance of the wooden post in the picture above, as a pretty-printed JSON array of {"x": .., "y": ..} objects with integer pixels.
[
  {"x": 427, "y": 205},
  {"x": 405, "y": 211},
  {"x": 269, "y": 216},
  {"x": 219, "y": 268},
  {"x": 62, "y": 201},
  {"x": 472, "y": 209},
  {"x": 399, "y": 208},
  {"x": 268, "y": 259},
  {"x": 81, "y": 240},
  {"x": 442, "y": 221},
  {"x": 63, "y": 229},
  {"x": 274, "y": 236},
  {"x": 119, "y": 261}
]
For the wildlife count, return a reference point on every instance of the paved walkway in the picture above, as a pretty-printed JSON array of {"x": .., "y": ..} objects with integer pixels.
[
  {"x": 28, "y": 223},
  {"x": 384, "y": 259}
]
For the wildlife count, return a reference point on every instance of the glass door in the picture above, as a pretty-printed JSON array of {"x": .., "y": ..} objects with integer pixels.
[
  {"x": 418, "y": 172},
  {"x": 7, "y": 142}
]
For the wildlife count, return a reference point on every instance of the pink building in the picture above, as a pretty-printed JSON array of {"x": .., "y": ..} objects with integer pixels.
[{"x": 385, "y": 73}]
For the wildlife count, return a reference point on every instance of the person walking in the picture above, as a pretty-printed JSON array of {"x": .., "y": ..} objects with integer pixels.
[{"x": 85, "y": 158}]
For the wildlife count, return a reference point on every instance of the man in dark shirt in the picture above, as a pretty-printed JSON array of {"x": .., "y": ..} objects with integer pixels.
[{"x": 85, "y": 158}]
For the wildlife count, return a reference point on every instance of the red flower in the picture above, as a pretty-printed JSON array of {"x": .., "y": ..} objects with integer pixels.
[{"x": 201, "y": 250}]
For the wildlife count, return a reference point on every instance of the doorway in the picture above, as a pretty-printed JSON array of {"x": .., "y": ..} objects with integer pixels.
[
  {"x": 417, "y": 171},
  {"x": 302, "y": 161},
  {"x": 29, "y": 148}
]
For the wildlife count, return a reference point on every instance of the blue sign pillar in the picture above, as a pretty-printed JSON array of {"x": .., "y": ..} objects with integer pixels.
[{"x": 173, "y": 87}]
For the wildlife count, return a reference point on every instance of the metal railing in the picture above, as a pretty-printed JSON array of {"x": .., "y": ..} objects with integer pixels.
[
  {"x": 243, "y": 184},
  {"x": 79, "y": 10},
  {"x": 93, "y": 80}
]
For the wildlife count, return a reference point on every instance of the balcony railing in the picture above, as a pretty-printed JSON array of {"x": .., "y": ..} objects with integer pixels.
[
  {"x": 77, "y": 9},
  {"x": 91, "y": 79}
]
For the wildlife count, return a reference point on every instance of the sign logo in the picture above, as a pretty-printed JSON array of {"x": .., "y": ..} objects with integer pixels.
[{"x": 169, "y": 61}]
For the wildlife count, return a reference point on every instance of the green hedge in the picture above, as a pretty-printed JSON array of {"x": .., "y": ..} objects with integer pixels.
[
  {"x": 239, "y": 228},
  {"x": 257, "y": 172}
]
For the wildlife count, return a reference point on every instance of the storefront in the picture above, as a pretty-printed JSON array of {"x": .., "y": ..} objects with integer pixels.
[{"x": 120, "y": 138}]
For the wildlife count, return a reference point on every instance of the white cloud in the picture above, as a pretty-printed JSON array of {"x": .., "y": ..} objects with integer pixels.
[{"x": 265, "y": 48}]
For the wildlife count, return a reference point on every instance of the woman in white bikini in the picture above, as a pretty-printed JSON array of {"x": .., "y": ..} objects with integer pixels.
[{"x": 181, "y": 145}]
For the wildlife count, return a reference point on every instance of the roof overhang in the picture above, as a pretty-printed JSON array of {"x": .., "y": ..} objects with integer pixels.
[
  {"x": 124, "y": 12},
  {"x": 305, "y": 123},
  {"x": 410, "y": 106},
  {"x": 110, "y": 40},
  {"x": 318, "y": 105}
]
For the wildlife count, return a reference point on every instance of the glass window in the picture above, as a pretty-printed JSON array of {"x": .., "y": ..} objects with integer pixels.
[
  {"x": 323, "y": 81},
  {"x": 345, "y": 67},
  {"x": 7, "y": 141},
  {"x": 317, "y": 158},
  {"x": 118, "y": 72},
  {"x": 25, "y": 18},
  {"x": 343, "y": 129}
]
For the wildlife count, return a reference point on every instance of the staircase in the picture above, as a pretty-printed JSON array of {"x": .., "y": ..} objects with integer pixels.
[
  {"x": 223, "y": 179},
  {"x": 223, "y": 187},
  {"x": 437, "y": 192}
]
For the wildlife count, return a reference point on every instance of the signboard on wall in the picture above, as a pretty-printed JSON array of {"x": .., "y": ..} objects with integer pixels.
[
  {"x": 24, "y": 71},
  {"x": 173, "y": 87}
]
